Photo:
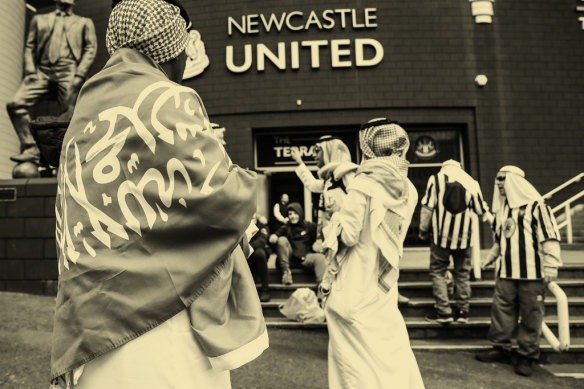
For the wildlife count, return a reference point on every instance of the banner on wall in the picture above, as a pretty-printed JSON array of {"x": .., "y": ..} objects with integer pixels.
[{"x": 272, "y": 149}]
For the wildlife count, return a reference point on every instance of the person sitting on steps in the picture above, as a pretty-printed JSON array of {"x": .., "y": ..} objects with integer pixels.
[{"x": 294, "y": 244}]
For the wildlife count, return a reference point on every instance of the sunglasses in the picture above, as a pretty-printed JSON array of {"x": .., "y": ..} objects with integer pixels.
[{"x": 500, "y": 178}]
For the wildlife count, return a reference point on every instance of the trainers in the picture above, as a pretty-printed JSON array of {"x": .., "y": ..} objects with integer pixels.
[
  {"x": 265, "y": 295},
  {"x": 461, "y": 316},
  {"x": 287, "y": 277},
  {"x": 436, "y": 317},
  {"x": 524, "y": 366},
  {"x": 494, "y": 355}
]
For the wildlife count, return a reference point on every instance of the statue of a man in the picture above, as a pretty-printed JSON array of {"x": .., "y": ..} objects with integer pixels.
[{"x": 60, "y": 48}]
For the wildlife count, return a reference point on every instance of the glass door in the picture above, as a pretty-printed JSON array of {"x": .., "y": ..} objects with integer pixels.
[{"x": 429, "y": 147}]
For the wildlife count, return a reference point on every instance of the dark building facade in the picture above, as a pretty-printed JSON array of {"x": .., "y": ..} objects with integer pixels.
[{"x": 282, "y": 73}]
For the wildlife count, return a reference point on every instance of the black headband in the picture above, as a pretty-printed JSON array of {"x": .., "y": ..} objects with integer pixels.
[
  {"x": 183, "y": 11},
  {"x": 377, "y": 122},
  {"x": 326, "y": 138}
]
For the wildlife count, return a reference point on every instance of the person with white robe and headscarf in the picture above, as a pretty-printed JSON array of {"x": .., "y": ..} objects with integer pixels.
[
  {"x": 368, "y": 341},
  {"x": 527, "y": 255}
]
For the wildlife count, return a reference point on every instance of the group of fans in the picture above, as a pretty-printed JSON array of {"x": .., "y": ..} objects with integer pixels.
[
  {"x": 526, "y": 239},
  {"x": 162, "y": 297}
]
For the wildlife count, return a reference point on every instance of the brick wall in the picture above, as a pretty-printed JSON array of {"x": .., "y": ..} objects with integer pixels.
[
  {"x": 529, "y": 113},
  {"x": 27, "y": 237}
]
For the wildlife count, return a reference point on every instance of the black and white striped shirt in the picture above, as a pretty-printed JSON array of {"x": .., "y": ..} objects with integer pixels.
[
  {"x": 448, "y": 230},
  {"x": 520, "y": 233}
]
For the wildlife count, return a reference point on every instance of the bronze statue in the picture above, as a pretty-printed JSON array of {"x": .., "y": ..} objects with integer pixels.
[{"x": 60, "y": 48}]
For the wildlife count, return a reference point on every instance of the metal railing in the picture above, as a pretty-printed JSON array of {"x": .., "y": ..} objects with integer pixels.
[{"x": 566, "y": 206}]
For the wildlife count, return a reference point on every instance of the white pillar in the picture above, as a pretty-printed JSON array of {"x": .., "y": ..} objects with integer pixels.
[
  {"x": 307, "y": 205},
  {"x": 12, "y": 47}
]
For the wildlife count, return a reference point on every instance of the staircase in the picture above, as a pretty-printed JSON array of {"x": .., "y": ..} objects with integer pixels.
[
  {"x": 415, "y": 283},
  {"x": 578, "y": 225}
]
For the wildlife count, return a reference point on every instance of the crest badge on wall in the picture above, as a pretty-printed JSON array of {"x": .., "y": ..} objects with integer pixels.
[
  {"x": 425, "y": 147},
  {"x": 197, "y": 59}
]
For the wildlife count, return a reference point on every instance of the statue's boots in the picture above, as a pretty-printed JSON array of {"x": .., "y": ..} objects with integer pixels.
[
  {"x": 21, "y": 121},
  {"x": 30, "y": 154}
]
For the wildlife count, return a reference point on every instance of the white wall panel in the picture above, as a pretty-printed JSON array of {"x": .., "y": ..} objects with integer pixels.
[{"x": 12, "y": 17}]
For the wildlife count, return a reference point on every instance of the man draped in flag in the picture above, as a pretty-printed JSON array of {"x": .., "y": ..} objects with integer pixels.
[
  {"x": 154, "y": 288},
  {"x": 527, "y": 247}
]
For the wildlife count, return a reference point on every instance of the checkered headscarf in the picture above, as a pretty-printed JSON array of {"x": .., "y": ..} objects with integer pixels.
[
  {"x": 380, "y": 138},
  {"x": 153, "y": 27}
]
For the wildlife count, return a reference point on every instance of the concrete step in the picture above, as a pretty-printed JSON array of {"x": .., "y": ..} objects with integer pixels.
[
  {"x": 418, "y": 308},
  {"x": 419, "y": 328},
  {"x": 568, "y": 271},
  {"x": 482, "y": 307},
  {"x": 423, "y": 289},
  {"x": 573, "y": 369},
  {"x": 281, "y": 291},
  {"x": 298, "y": 275},
  {"x": 575, "y": 354},
  {"x": 573, "y": 246}
]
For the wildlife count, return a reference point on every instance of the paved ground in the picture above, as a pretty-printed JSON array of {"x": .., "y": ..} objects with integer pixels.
[{"x": 296, "y": 358}]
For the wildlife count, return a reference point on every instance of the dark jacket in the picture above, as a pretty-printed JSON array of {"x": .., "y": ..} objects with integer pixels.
[
  {"x": 300, "y": 235},
  {"x": 260, "y": 239}
]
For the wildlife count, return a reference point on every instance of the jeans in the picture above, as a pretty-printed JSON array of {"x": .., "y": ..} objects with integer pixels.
[
  {"x": 258, "y": 264},
  {"x": 314, "y": 261},
  {"x": 439, "y": 261}
]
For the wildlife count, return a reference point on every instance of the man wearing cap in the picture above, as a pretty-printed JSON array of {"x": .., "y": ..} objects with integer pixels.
[
  {"x": 294, "y": 245},
  {"x": 60, "y": 48},
  {"x": 154, "y": 288},
  {"x": 452, "y": 199},
  {"x": 527, "y": 252}
]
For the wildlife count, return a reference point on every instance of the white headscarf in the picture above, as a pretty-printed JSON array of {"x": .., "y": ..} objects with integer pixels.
[
  {"x": 453, "y": 169},
  {"x": 334, "y": 150},
  {"x": 335, "y": 153},
  {"x": 518, "y": 190}
]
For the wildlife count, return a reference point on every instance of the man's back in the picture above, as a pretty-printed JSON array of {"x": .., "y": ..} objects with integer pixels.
[{"x": 452, "y": 205}]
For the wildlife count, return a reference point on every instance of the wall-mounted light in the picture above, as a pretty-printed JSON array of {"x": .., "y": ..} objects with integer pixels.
[
  {"x": 482, "y": 10},
  {"x": 481, "y": 80},
  {"x": 580, "y": 8},
  {"x": 298, "y": 102}
]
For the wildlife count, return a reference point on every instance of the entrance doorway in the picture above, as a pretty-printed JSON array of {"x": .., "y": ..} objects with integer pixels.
[
  {"x": 272, "y": 155},
  {"x": 280, "y": 183},
  {"x": 430, "y": 146}
]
